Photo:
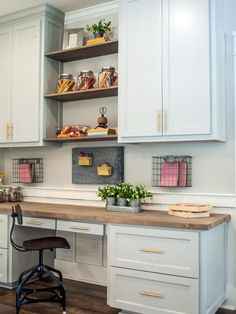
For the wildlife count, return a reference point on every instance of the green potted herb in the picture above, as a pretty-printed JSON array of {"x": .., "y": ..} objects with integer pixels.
[
  {"x": 99, "y": 29},
  {"x": 123, "y": 190},
  {"x": 138, "y": 194},
  {"x": 108, "y": 193}
]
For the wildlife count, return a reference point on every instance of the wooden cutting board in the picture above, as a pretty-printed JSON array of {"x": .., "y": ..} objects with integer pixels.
[
  {"x": 189, "y": 214},
  {"x": 193, "y": 208}
]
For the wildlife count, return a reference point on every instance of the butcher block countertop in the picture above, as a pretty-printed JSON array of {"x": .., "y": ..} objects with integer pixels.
[{"x": 99, "y": 215}]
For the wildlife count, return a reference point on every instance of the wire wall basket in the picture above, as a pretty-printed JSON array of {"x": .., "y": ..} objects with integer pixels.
[
  {"x": 27, "y": 170},
  {"x": 172, "y": 171}
]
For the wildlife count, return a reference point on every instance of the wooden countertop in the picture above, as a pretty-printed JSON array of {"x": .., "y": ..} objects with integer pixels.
[{"x": 99, "y": 214}]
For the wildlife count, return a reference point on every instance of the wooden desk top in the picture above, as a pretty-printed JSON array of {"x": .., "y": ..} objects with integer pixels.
[{"x": 99, "y": 214}]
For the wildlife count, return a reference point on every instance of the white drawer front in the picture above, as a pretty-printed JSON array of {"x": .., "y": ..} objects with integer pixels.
[
  {"x": 149, "y": 293},
  {"x": 39, "y": 223},
  {"x": 3, "y": 265},
  {"x": 162, "y": 251},
  {"x": 80, "y": 227},
  {"x": 4, "y": 231}
]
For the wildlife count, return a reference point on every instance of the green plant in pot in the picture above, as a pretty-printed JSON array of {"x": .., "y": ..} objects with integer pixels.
[
  {"x": 99, "y": 29},
  {"x": 108, "y": 193},
  {"x": 137, "y": 195},
  {"x": 123, "y": 192}
]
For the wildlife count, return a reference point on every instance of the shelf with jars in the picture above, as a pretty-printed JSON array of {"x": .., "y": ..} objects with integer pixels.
[{"x": 85, "y": 84}]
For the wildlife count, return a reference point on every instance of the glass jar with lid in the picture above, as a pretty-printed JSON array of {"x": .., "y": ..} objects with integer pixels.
[
  {"x": 65, "y": 83},
  {"x": 107, "y": 77},
  {"x": 85, "y": 80}
]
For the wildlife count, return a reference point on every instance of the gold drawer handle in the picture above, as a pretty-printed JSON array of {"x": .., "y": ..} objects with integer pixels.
[
  {"x": 80, "y": 228},
  {"x": 151, "y": 250},
  {"x": 33, "y": 222},
  {"x": 150, "y": 294}
]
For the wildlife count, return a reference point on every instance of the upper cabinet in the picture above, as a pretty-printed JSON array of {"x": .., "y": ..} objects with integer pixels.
[
  {"x": 171, "y": 70},
  {"x": 23, "y": 43}
]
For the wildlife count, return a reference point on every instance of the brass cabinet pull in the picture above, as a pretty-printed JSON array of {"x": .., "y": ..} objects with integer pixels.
[
  {"x": 158, "y": 121},
  {"x": 33, "y": 222},
  {"x": 151, "y": 250},
  {"x": 79, "y": 228},
  {"x": 8, "y": 131},
  {"x": 150, "y": 294},
  {"x": 11, "y": 131}
]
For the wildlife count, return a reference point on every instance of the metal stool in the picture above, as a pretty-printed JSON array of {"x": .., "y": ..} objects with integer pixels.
[{"x": 23, "y": 294}]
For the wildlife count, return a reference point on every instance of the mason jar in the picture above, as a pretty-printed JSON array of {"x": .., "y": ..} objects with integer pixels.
[
  {"x": 107, "y": 77},
  {"x": 65, "y": 83},
  {"x": 85, "y": 80}
]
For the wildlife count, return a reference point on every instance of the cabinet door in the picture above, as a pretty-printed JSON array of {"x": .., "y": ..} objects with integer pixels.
[
  {"x": 186, "y": 67},
  {"x": 4, "y": 231},
  {"x": 26, "y": 82},
  {"x": 5, "y": 86},
  {"x": 3, "y": 265},
  {"x": 140, "y": 68}
]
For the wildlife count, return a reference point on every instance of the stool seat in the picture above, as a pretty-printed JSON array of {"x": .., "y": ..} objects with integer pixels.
[{"x": 46, "y": 243}]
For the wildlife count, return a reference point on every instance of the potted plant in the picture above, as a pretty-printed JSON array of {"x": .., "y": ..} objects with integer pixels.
[
  {"x": 99, "y": 29},
  {"x": 108, "y": 193},
  {"x": 123, "y": 192},
  {"x": 138, "y": 194}
]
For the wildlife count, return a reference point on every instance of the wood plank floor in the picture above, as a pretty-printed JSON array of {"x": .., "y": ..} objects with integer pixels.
[{"x": 82, "y": 298}]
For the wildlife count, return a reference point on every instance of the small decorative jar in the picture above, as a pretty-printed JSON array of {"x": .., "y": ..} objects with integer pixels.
[
  {"x": 85, "y": 80},
  {"x": 107, "y": 77},
  {"x": 3, "y": 195},
  {"x": 15, "y": 194},
  {"x": 65, "y": 83}
]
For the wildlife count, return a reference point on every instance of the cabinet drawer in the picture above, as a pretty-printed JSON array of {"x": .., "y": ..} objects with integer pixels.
[
  {"x": 3, "y": 265},
  {"x": 80, "y": 227},
  {"x": 3, "y": 231},
  {"x": 163, "y": 251},
  {"x": 149, "y": 293},
  {"x": 39, "y": 223}
]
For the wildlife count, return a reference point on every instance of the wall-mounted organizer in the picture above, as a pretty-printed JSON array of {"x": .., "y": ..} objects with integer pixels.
[
  {"x": 107, "y": 166},
  {"x": 27, "y": 170},
  {"x": 172, "y": 171}
]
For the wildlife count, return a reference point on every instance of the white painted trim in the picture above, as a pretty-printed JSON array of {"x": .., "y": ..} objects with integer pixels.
[
  {"x": 91, "y": 12},
  {"x": 88, "y": 196}
]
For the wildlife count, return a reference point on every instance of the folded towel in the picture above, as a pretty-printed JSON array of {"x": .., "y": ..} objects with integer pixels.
[{"x": 25, "y": 173}]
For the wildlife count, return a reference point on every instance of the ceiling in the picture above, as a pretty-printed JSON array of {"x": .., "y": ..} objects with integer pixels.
[{"x": 7, "y": 7}]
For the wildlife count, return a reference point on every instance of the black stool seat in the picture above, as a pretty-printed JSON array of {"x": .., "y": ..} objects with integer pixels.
[{"x": 46, "y": 243}]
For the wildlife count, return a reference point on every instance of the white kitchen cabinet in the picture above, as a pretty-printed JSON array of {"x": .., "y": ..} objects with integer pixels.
[
  {"x": 25, "y": 36},
  {"x": 156, "y": 270},
  {"x": 4, "y": 231},
  {"x": 3, "y": 265},
  {"x": 171, "y": 70}
]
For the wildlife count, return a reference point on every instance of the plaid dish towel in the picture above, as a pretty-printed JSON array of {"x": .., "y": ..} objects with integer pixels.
[
  {"x": 169, "y": 173},
  {"x": 25, "y": 173}
]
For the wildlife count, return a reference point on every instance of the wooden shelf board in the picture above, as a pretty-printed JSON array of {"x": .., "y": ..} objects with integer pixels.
[
  {"x": 81, "y": 139},
  {"x": 86, "y": 94},
  {"x": 85, "y": 52}
]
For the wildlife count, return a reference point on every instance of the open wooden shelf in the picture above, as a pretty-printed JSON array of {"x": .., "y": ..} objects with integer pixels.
[
  {"x": 85, "y": 52},
  {"x": 81, "y": 139},
  {"x": 85, "y": 94}
]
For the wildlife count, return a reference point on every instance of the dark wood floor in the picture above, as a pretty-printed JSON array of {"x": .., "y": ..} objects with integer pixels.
[{"x": 82, "y": 298}]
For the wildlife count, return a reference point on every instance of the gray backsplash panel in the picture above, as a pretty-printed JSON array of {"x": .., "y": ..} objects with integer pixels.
[{"x": 88, "y": 174}]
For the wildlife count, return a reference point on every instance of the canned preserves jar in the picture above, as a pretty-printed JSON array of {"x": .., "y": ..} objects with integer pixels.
[
  {"x": 85, "y": 80},
  {"x": 107, "y": 77},
  {"x": 65, "y": 83}
]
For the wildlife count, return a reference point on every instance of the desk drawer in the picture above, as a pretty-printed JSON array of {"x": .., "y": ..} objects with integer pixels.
[
  {"x": 156, "y": 250},
  {"x": 80, "y": 227},
  {"x": 149, "y": 293},
  {"x": 39, "y": 223}
]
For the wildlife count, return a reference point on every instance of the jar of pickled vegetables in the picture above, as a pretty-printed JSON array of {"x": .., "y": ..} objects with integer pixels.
[
  {"x": 65, "y": 83},
  {"x": 107, "y": 77},
  {"x": 85, "y": 80}
]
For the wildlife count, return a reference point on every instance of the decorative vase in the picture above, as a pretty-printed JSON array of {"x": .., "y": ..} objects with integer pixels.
[
  {"x": 121, "y": 201},
  {"x": 135, "y": 203},
  {"x": 111, "y": 201}
]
